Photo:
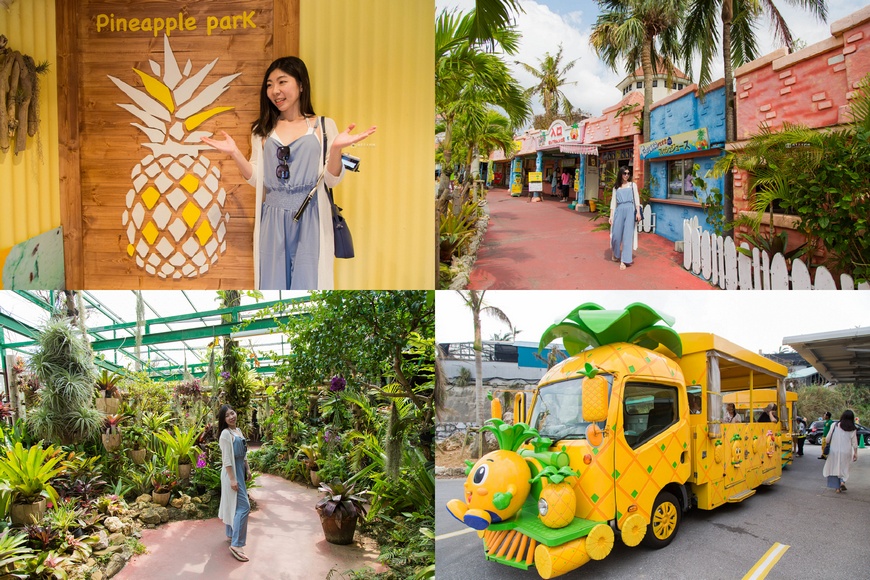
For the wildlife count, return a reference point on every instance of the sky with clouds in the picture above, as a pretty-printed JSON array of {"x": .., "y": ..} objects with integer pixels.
[
  {"x": 755, "y": 320},
  {"x": 547, "y": 23}
]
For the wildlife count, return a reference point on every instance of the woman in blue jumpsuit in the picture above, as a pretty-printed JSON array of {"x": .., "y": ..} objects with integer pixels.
[
  {"x": 624, "y": 215},
  {"x": 234, "y": 506}
]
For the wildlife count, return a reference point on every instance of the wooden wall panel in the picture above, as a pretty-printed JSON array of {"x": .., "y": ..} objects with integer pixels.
[
  {"x": 29, "y": 199},
  {"x": 111, "y": 150}
]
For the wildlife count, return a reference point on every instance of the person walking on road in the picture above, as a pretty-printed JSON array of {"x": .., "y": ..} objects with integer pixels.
[
  {"x": 801, "y": 430},
  {"x": 843, "y": 452},
  {"x": 624, "y": 215},
  {"x": 825, "y": 432}
]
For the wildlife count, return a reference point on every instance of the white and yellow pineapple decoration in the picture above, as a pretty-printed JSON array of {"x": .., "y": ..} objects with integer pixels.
[{"x": 175, "y": 220}]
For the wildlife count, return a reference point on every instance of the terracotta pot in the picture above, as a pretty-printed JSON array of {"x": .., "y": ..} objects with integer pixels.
[
  {"x": 338, "y": 530},
  {"x": 27, "y": 513},
  {"x": 137, "y": 455},
  {"x": 112, "y": 442},
  {"x": 160, "y": 498},
  {"x": 315, "y": 478},
  {"x": 184, "y": 470}
]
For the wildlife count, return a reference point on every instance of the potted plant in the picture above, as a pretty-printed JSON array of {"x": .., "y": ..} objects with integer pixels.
[
  {"x": 311, "y": 451},
  {"x": 137, "y": 439},
  {"x": 108, "y": 395},
  {"x": 339, "y": 511},
  {"x": 26, "y": 474},
  {"x": 112, "y": 435},
  {"x": 163, "y": 482},
  {"x": 181, "y": 451}
]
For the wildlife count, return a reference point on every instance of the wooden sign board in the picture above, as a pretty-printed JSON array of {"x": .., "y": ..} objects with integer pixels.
[{"x": 146, "y": 203}]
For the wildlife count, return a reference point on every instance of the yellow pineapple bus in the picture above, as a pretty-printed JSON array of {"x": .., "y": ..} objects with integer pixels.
[{"x": 619, "y": 441}]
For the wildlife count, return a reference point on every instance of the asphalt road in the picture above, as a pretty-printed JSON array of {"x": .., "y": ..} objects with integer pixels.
[{"x": 828, "y": 535}]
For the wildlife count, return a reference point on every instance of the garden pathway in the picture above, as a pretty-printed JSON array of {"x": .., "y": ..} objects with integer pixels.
[
  {"x": 285, "y": 542},
  {"x": 546, "y": 246}
]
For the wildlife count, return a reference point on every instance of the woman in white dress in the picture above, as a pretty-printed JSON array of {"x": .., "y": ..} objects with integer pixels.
[{"x": 844, "y": 451}]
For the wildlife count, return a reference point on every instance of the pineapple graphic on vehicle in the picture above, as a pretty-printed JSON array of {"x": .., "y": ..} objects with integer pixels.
[{"x": 175, "y": 221}]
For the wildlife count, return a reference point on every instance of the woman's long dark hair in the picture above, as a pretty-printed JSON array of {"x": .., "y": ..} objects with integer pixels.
[
  {"x": 294, "y": 67},
  {"x": 618, "y": 182},
  {"x": 847, "y": 420},
  {"x": 222, "y": 419}
]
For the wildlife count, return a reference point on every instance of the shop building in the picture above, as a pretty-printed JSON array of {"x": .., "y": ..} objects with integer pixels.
[
  {"x": 687, "y": 132},
  {"x": 617, "y": 135},
  {"x": 812, "y": 87}
]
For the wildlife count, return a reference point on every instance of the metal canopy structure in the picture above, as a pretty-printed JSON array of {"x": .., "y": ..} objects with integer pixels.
[
  {"x": 841, "y": 356},
  {"x": 179, "y": 328}
]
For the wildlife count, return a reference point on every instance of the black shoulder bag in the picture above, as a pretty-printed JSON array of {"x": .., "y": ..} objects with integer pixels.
[{"x": 341, "y": 232}]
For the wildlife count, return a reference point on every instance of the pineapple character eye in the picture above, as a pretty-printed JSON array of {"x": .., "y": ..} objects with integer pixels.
[
  {"x": 480, "y": 474},
  {"x": 543, "y": 508}
]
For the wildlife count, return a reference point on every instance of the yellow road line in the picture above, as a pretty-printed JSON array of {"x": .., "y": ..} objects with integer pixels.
[
  {"x": 453, "y": 534},
  {"x": 766, "y": 563}
]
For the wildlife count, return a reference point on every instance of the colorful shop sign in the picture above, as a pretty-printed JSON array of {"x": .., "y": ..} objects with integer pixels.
[
  {"x": 536, "y": 181},
  {"x": 687, "y": 142},
  {"x": 560, "y": 132}
]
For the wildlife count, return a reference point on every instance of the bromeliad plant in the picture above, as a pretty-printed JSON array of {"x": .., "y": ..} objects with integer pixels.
[
  {"x": 180, "y": 449},
  {"x": 27, "y": 473},
  {"x": 340, "y": 501},
  {"x": 164, "y": 481}
]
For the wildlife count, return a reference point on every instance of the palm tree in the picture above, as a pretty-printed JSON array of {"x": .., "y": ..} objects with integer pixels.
[
  {"x": 641, "y": 32},
  {"x": 490, "y": 16},
  {"x": 550, "y": 75},
  {"x": 475, "y": 140},
  {"x": 468, "y": 81},
  {"x": 739, "y": 19},
  {"x": 474, "y": 300}
]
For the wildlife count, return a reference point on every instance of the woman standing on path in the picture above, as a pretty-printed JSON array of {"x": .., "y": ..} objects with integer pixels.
[
  {"x": 234, "y": 507},
  {"x": 287, "y": 163},
  {"x": 624, "y": 215},
  {"x": 844, "y": 450}
]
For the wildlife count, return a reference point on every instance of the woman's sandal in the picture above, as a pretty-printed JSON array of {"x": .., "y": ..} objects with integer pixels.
[
  {"x": 622, "y": 266},
  {"x": 614, "y": 259},
  {"x": 238, "y": 555},
  {"x": 842, "y": 487}
]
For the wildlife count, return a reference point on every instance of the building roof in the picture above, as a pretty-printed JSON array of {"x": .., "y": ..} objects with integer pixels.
[
  {"x": 678, "y": 74},
  {"x": 841, "y": 356}
]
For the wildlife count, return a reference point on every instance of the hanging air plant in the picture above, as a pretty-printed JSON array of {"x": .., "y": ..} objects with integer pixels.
[{"x": 19, "y": 95}]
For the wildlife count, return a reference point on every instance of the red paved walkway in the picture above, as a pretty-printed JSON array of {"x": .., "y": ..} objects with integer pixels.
[
  {"x": 547, "y": 246},
  {"x": 285, "y": 542}
]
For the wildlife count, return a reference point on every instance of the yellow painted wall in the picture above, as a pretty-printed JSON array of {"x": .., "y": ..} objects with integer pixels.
[
  {"x": 371, "y": 63},
  {"x": 29, "y": 186}
]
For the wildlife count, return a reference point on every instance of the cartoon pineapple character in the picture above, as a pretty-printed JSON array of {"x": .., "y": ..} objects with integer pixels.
[
  {"x": 175, "y": 221},
  {"x": 557, "y": 502}
]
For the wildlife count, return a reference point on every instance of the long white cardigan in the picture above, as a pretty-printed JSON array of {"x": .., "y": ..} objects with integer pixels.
[
  {"x": 326, "y": 259},
  {"x": 227, "y": 508}
]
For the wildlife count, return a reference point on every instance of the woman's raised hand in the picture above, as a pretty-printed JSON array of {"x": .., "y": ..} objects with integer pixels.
[
  {"x": 345, "y": 139},
  {"x": 227, "y": 146}
]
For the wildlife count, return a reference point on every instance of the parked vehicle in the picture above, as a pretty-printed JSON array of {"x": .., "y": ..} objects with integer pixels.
[
  {"x": 610, "y": 439},
  {"x": 815, "y": 432}
]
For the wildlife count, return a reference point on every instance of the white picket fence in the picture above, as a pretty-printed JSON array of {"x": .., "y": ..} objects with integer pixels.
[{"x": 716, "y": 259}]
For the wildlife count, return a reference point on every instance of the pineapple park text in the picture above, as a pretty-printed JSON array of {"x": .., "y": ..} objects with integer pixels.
[{"x": 109, "y": 23}]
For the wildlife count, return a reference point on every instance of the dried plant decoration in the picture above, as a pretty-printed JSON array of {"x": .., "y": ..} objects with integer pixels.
[{"x": 19, "y": 96}]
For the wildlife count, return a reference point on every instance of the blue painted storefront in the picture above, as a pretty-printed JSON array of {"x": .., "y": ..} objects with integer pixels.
[{"x": 687, "y": 113}]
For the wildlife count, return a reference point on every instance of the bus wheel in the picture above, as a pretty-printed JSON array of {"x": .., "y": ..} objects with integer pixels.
[{"x": 666, "y": 516}]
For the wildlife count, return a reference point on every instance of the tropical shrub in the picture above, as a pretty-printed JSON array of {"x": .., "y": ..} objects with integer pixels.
[{"x": 181, "y": 448}]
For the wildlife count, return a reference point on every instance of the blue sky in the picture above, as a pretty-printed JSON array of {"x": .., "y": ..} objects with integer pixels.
[{"x": 547, "y": 23}]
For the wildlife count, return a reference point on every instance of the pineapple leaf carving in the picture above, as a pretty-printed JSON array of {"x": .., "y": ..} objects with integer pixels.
[{"x": 554, "y": 475}]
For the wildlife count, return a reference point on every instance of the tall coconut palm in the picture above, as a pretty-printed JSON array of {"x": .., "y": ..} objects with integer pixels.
[
  {"x": 739, "y": 20},
  {"x": 475, "y": 140},
  {"x": 474, "y": 300},
  {"x": 641, "y": 32},
  {"x": 550, "y": 75}
]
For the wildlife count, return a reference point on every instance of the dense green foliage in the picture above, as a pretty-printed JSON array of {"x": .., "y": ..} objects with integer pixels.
[{"x": 814, "y": 401}]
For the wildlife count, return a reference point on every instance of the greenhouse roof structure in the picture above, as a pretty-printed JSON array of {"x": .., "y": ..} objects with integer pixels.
[{"x": 179, "y": 327}]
